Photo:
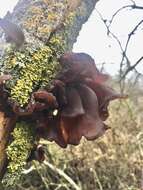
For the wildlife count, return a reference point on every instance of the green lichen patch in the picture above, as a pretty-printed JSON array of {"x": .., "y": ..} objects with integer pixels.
[
  {"x": 29, "y": 68},
  {"x": 30, "y": 75},
  {"x": 18, "y": 152},
  {"x": 43, "y": 17},
  {"x": 59, "y": 40}
]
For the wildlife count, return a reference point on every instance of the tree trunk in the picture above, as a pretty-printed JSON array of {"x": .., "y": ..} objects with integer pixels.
[{"x": 50, "y": 28}]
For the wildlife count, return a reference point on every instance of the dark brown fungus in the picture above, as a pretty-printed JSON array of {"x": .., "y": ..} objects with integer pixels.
[
  {"x": 74, "y": 107},
  {"x": 46, "y": 97},
  {"x": 91, "y": 123},
  {"x": 105, "y": 94},
  {"x": 22, "y": 111},
  {"x": 86, "y": 105},
  {"x": 78, "y": 66},
  {"x": 39, "y": 101},
  {"x": 59, "y": 92}
]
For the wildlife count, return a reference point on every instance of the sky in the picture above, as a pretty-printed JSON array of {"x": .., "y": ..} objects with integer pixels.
[{"x": 93, "y": 37}]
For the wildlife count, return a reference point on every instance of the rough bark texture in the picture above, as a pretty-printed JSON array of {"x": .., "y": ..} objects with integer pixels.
[
  {"x": 5, "y": 129},
  {"x": 51, "y": 28}
]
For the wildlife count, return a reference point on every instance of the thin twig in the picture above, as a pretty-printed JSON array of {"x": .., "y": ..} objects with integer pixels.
[
  {"x": 29, "y": 170},
  {"x": 97, "y": 179},
  {"x": 109, "y": 32},
  {"x": 122, "y": 8},
  {"x": 131, "y": 34},
  {"x": 134, "y": 6},
  {"x": 124, "y": 58},
  {"x": 61, "y": 173},
  {"x": 131, "y": 68}
]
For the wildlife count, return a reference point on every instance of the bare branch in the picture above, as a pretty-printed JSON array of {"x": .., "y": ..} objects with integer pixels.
[
  {"x": 109, "y": 32},
  {"x": 131, "y": 68},
  {"x": 134, "y": 6},
  {"x": 130, "y": 35},
  {"x": 119, "y": 10}
]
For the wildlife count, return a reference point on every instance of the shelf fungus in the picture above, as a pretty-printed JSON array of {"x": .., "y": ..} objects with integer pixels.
[{"x": 75, "y": 106}]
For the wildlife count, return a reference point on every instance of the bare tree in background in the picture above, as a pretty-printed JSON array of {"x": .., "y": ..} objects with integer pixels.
[{"x": 126, "y": 65}]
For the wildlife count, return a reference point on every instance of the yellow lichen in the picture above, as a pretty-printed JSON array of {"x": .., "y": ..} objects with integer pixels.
[
  {"x": 35, "y": 10},
  {"x": 31, "y": 74},
  {"x": 52, "y": 17},
  {"x": 70, "y": 18},
  {"x": 45, "y": 17},
  {"x": 18, "y": 152},
  {"x": 13, "y": 61},
  {"x": 44, "y": 29}
]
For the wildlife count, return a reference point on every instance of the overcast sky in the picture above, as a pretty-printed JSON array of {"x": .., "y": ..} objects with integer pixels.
[{"x": 93, "y": 38}]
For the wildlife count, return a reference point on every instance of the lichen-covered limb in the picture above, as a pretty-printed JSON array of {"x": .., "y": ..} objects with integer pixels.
[
  {"x": 17, "y": 152},
  {"x": 50, "y": 28}
]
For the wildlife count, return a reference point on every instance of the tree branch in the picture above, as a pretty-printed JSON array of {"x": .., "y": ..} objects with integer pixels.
[{"x": 50, "y": 28}]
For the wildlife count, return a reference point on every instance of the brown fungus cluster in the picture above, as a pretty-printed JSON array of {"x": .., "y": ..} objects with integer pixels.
[
  {"x": 82, "y": 98},
  {"x": 76, "y": 106}
]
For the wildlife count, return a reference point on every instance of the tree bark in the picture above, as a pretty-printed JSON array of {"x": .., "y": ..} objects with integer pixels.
[
  {"x": 51, "y": 28},
  {"x": 6, "y": 126}
]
